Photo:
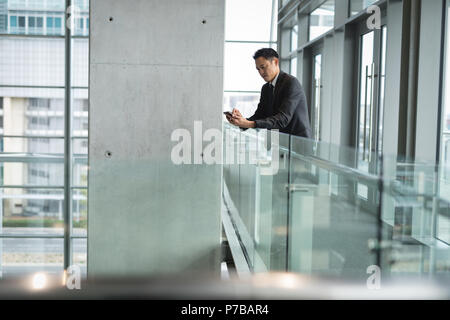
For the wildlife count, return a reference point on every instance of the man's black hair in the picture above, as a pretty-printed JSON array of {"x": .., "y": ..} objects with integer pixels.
[{"x": 267, "y": 53}]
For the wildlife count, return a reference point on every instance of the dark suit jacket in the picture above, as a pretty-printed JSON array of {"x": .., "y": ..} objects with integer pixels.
[{"x": 289, "y": 111}]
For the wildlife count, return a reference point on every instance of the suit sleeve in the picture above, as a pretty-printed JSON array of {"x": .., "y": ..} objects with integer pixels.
[{"x": 292, "y": 97}]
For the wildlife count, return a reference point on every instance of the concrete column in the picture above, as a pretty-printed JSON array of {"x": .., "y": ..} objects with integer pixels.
[{"x": 155, "y": 66}]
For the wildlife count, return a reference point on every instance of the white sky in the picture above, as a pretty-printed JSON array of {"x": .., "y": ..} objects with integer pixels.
[{"x": 245, "y": 20}]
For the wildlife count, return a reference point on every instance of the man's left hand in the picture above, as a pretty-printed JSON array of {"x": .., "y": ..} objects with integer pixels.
[{"x": 241, "y": 122}]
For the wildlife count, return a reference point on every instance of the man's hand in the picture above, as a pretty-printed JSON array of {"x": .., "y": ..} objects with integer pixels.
[{"x": 238, "y": 120}]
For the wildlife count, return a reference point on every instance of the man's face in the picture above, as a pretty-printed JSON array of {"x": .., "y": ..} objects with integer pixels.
[{"x": 268, "y": 69}]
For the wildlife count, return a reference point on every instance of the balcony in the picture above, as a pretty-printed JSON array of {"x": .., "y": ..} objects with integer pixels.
[{"x": 314, "y": 208}]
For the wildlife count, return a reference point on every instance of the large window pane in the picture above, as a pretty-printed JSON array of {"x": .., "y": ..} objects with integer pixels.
[
  {"x": 80, "y": 171},
  {"x": 382, "y": 89},
  {"x": 248, "y": 20},
  {"x": 80, "y": 62},
  {"x": 27, "y": 17},
  {"x": 357, "y": 6},
  {"x": 32, "y": 108},
  {"x": 20, "y": 257},
  {"x": 240, "y": 71},
  {"x": 79, "y": 255},
  {"x": 293, "y": 67},
  {"x": 317, "y": 96},
  {"x": 79, "y": 212},
  {"x": 24, "y": 114},
  {"x": 321, "y": 20},
  {"x": 13, "y": 21},
  {"x": 246, "y": 103},
  {"x": 20, "y": 170},
  {"x": 32, "y": 61},
  {"x": 31, "y": 211},
  {"x": 42, "y": 146},
  {"x": 444, "y": 188},
  {"x": 80, "y": 113},
  {"x": 294, "y": 38},
  {"x": 365, "y": 81}
]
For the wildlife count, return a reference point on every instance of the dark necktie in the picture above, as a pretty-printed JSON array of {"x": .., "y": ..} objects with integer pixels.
[{"x": 270, "y": 97}]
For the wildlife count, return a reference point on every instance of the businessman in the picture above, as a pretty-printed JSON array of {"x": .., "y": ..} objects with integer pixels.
[{"x": 282, "y": 104}]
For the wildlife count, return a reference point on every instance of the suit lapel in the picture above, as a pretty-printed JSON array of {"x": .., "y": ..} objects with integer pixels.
[{"x": 278, "y": 86}]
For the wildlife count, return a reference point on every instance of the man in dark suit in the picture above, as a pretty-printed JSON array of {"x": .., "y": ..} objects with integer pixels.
[{"x": 282, "y": 104}]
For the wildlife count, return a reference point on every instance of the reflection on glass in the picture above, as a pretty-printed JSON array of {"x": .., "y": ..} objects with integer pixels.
[
  {"x": 80, "y": 17},
  {"x": 21, "y": 65},
  {"x": 32, "y": 171},
  {"x": 34, "y": 211},
  {"x": 33, "y": 17},
  {"x": 246, "y": 103},
  {"x": 357, "y": 6},
  {"x": 27, "y": 256},
  {"x": 80, "y": 62},
  {"x": 444, "y": 187},
  {"x": 321, "y": 20},
  {"x": 293, "y": 67},
  {"x": 80, "y": 116},
  {"x": 32, "y": 119},
  {"x": 46, "y": 146},
  {"x": 445, "y": 174},
  {"x": 294, "y": 38},
  {"x": 366, "y": 95}
]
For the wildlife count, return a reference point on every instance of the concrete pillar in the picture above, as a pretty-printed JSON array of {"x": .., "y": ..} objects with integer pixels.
[{"x": 155, "y": 66}]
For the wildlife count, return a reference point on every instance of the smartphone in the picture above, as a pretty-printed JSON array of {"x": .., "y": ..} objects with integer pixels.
[{"x": 228, "y": 113}]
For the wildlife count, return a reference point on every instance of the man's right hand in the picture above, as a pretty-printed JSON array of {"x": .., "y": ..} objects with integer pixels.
[{"x": 236, "y": 113}]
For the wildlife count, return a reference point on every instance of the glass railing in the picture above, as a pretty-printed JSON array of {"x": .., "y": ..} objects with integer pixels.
[{"x": 315, "y": 208}]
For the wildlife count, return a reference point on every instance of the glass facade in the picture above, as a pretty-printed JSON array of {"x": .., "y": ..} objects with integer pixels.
[
  {"x": 353, "y": 100},
  {"x": 32, "y": 91},
  {"x": 242, "y": 39},
  {"x": 321, "y": 20},
  {"x": 357, "y": 6}
]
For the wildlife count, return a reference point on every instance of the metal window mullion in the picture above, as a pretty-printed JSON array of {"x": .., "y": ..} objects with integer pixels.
[{"x": 67, "y": 143}]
